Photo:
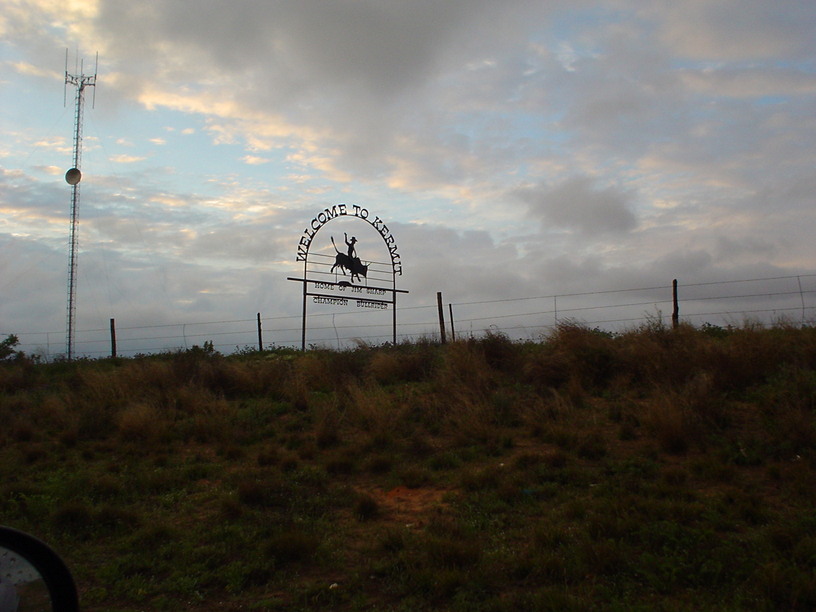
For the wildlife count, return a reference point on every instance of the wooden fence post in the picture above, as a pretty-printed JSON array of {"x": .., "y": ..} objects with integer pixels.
[
  {"x": 441, "y": 316},
  {"x": 453, "y": 333},
  {"x": 113, "y": 337},
  {"x": 676, "y": 310},
  {"x": 260, "y": 333}
]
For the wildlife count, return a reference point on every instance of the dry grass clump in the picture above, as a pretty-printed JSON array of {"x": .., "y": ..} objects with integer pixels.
[
  {"x": 214, "y": 421},
  {"x": 746, "y": 357},
  {"x": 668, "y": 420},
  {"x": 192, "y": 400},
  {"x": 466, "y": 397},
  {"x": 387, "y": 367},
  {"x": 26, "y": 417},
  {"x": 52, "y": 413},
  {"x": 18, "y": 376},
  {"x": 655, "y": 354},
  {"x": 309, "y": 374},
  {"x": 141, "y": 422},
  {"x": 585, "y": 355},
  {"x": 101, "y": 387},
  {"x": 372, "y": 410},
  {"x": 499, "y": 351},
  {"x": 463, "y": 370},
  {"x": 788, "y": 412},
  {"x": 154, "y": 376}
]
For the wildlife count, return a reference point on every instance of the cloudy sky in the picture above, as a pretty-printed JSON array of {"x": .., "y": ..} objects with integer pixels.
[{"x": 514, "y": 149}]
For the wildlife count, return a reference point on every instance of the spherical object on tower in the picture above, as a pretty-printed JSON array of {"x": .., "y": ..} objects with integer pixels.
[{"x": 73, "y": 176}]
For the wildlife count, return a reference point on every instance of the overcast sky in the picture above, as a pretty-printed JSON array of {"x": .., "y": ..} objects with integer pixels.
[{"x": 516, "y": 148}]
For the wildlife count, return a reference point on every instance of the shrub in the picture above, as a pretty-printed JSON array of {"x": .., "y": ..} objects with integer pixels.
[
  {"x": 73, "y": 518},
  {"x": 95, "y": 421},
  {"x": 269, "y": 455},
  {"x": 291, "y": 546},
  {"x": 367, "y": 508},
  {"x": 451, "y": 551},
  {"x": 379, "y": 464},
  {"x": 499, "y": 351},
  {"x": 253, "y": 492},
  {"x": 414, "y": 477},
  {"x": 7, "y": 346},
  {"x": 588, "y": 355},
  {"x": 112, "y": 519}
]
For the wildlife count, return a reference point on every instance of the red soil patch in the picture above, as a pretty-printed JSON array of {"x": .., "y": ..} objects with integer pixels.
[{"x": 409, "y": 506}]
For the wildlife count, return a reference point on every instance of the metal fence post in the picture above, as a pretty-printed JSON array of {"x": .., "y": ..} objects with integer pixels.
[{"x": 441, "y": 316}]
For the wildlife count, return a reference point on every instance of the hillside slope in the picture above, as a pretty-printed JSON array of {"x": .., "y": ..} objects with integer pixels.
[{"x": 655, "y": 469}]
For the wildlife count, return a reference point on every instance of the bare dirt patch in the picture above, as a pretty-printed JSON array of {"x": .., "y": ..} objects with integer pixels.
[{"x": 410, "y": 507}]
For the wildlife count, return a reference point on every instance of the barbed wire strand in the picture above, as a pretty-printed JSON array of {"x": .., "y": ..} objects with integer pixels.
[{"x": 459, "y": 322}]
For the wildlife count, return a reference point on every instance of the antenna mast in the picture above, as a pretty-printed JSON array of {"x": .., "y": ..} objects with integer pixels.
[{"x": 79, "y": 80}]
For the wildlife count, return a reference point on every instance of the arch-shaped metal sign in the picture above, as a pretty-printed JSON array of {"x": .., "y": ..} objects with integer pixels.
[{"x": 343, "y": 276}]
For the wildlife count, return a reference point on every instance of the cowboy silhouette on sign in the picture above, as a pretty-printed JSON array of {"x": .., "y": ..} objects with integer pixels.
[
  {"x": 349, "y": 262},
  {"x": 352, "y": 253}
]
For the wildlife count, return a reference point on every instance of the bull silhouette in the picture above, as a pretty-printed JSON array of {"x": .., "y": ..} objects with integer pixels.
[{"x": 352, "y": 264}]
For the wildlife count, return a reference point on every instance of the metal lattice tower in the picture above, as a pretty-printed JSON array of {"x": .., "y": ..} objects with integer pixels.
[{"x": 79, "y": 80}]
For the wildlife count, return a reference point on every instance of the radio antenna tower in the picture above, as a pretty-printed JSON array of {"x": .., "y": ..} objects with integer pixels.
[{"x": 80, "y": 80}]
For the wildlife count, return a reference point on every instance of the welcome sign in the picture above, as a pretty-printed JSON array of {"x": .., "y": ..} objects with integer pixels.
[{"x": 342, "y": 277}]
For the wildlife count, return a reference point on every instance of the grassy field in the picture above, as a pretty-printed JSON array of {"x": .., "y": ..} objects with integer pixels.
[{"x": 656, "y": 469}]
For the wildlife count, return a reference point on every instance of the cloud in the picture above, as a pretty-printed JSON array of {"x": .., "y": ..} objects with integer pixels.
[
  {"x": 254, "y": 160},
  {"x": 577, "y": 204},
  {"x": 735, "y": 30},
  {"x": 350, "y": 78},
  {"x": 52, "y": 170},
  {"x": 30, "y": 69},
  {"x": 57, "y": 143},
  {"x": 750, "y": 82},
  {"x": 126, "y": 159}
]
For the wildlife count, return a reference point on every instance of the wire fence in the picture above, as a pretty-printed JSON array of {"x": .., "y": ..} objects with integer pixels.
[{"x": 759, "y": 301}]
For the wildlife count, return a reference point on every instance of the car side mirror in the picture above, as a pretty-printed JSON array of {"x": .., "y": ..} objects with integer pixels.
[{"x": 33, "y": 576}]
